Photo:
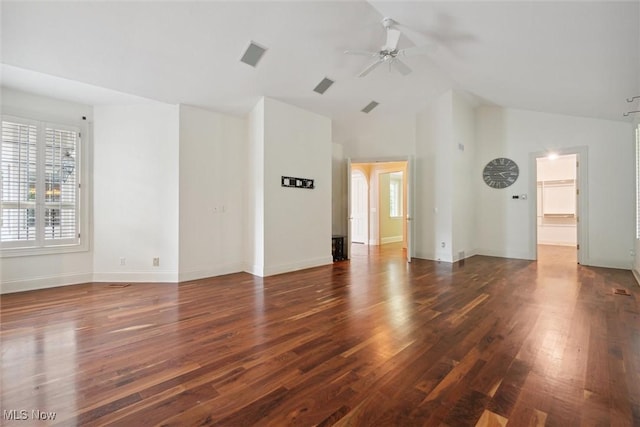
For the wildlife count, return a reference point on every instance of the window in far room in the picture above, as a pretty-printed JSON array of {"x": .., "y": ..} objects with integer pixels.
[{"x": 395, "y": 194}]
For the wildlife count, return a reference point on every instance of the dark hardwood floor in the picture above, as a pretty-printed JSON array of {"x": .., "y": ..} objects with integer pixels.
[{"x": 371, "y": 342}]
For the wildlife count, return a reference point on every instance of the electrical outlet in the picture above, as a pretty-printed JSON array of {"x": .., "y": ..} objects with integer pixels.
[
  {"x": 443, "y": 244},
  {"x": 123, "y": 261},
  {"x": 156, "y": 262}
]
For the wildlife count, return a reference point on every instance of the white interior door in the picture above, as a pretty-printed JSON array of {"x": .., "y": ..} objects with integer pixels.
[
  {"x": 409, "y": 214},
  {"x": 578, "y": 207},
  {"x": 347, "y": 243},
  {"x": 359, "y": 207}
]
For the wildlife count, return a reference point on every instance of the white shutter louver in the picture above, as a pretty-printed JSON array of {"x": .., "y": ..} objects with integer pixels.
[
  {"x": 39, "y": 184},
  {"x": 19, "y": 180},
  {"x": 60, "y": 184}
]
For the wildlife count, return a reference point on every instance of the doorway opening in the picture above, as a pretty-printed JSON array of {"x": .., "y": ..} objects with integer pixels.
[
  {"x": 379, "y": 207},
  {"x": 557, "y": 208}
]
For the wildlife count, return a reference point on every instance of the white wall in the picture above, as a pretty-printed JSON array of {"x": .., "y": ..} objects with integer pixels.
[
  {"x": 297, "y": 222},
  {"x": 288, "y": 228},
  {"x": 339, "y": 191},
  {"x": 434, "y": 181},
  {"x": 446, "y": 171},
  {"x": 560, "y": 168},
  {"x": 379, "y": 136},
  {"x": 136, "y": 201},
  {"x": 43, "y": 271},
  {"x": 504, "y": 224},
  {"x": 636, "y": 264},
  {"x": 254, "y": 234},
  {"x": 213, "y": 168},
  {"x": 465, "y": 175}
]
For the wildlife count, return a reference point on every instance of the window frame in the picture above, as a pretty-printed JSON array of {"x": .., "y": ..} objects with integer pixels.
[
  {"x": 398, "y": 203},
  {"x": 42, "y": 245}
]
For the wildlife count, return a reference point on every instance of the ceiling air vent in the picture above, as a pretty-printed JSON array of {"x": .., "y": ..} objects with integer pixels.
[
  {"x": 253, "y": 54},
  {"x": 323, "y": 86},
  {"x": 369, "y": 107}
]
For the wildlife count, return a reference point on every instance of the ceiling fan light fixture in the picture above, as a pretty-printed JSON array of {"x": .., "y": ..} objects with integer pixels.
[
  {"x": 322, "y": 87},
  {"x": 389, "y": 53},
  {"x": 370, "y": 106},
  {"x": 253, "y": 54}
]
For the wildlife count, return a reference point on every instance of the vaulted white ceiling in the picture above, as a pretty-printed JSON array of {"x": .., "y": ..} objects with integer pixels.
[{"x": 577, "y": 58}]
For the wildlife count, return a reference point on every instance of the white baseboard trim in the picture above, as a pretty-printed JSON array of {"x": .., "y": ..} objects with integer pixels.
[
  {"x": 44, "y": 282},
  {"x": 137, "y": 277},
  {"x": 424, "y": 255},
  {"x": 300, "y": 265},
  {"x": 636, "y": 275},
  {"x": 429, "y": 256},
  {"x": 255, "y": 269},
  {"x": 609, "y": 264},
  {"x": 439, "y": 261},
  {"x": 373, "y": 242},
  {"x": 467, "y": 254},
  {"x": 504, "y": 254},
  {"x": 392, "y": 239},
  {"x": 185, "y": 276}
]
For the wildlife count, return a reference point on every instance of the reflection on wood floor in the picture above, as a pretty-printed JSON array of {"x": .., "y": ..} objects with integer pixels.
[
  {"x": 373, "y": 342},
  {"x": 561, "y": 256}
]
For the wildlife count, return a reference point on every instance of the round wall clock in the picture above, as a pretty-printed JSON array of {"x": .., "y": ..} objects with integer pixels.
[{"x": 500, "y": 173}]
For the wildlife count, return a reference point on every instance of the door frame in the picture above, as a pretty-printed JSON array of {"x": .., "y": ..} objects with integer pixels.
[
  {"x": 582, "y": 200},
  {"x": 410, "y": 183}
]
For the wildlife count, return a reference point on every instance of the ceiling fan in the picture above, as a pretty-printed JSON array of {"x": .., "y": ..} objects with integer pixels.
[{"x": 389, "y": 53}]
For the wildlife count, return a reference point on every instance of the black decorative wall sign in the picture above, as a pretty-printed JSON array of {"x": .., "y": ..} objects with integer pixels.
[{"x": 290, "y": 181}]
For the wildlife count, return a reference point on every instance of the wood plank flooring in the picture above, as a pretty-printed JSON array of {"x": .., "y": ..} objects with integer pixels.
[{"x": 370, "y": 342}]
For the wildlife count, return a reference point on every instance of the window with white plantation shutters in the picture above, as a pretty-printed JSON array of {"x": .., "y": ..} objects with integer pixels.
[
  {"x": 60, "y": 184},
  {"x": 40, "y": 186},
  {"x": 19, "y": 179}
]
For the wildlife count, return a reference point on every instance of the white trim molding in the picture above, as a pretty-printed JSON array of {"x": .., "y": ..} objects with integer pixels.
[
  {"x": 302, "y": 265},
  {"x": 185, "y": 276},
  {"x": 137, "y": 277},
  {"x": 44, "y": 282},
  {"x": 392, "y": 239}
]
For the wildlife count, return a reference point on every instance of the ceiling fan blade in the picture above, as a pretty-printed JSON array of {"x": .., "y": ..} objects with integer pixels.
[
  {"x": 360, "y": 52},
  {"x": 393, "y": 36},
  {"x": 415, "y": 36},
  {"x": 417, "y": 50},
  {"x": 401, "y": 66},
  {"x": 370, "y": 68}
]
